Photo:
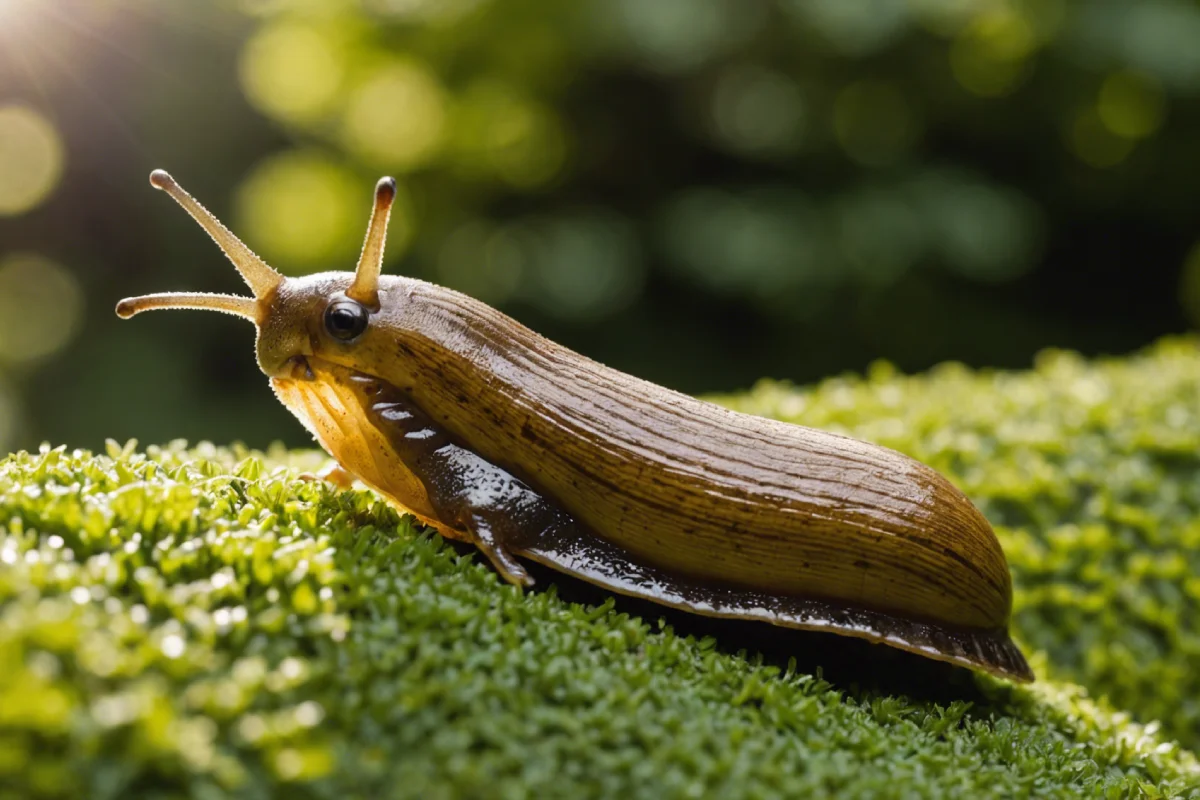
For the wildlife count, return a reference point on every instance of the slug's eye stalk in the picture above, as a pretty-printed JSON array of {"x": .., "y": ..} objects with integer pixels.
[
  {"x": 365, "y": 288},
  {"x": 261, "y": 279},
  {"x": 346, "y": 320}
]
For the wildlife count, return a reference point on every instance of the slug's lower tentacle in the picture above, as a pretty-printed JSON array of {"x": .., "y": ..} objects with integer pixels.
[{"x": 485, "y": 539}]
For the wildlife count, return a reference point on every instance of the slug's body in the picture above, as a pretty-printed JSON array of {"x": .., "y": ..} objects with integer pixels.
[{"x": 496, "y": 435}]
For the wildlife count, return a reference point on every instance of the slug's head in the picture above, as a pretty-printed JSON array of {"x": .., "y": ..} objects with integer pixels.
[{"x": 296, "y": 318}]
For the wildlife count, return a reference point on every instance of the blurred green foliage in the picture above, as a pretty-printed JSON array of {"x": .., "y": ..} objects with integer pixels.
[
  {"x": 702, "y": 192},
  {"x": 202, "y": 624}
]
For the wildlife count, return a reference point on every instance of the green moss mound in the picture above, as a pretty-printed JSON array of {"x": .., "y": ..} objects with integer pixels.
[
  {"x": 1090, "y": 472},
  {"x": 200, "y": 623}
]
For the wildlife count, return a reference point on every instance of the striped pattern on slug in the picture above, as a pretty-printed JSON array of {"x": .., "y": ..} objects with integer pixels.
[{"x": 602, "y": 475}]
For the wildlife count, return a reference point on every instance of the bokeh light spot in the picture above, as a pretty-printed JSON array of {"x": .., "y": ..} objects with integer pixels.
[
  {"x": 41, "y": 308},
  {"x": 501, "y": 132},
  {"x": 1163, "y": 37},
  {"x": 443, "y": 12},
  {"x": 984, "y": 232},
  {"x": 947, "y": 17},
  {"x": 874, "y": 123},
  {"x": 990, "y": 57},
  {"x": 291, "y": 71},
  {"x": 303, "y": 212},
  {"x": 757, "y": 111},
  {"x": 854, "y": 27},
  {"x": 1131, "y": 104},
  {"x": 988, "y": 234},
  {"x": 880, "y": 234},
  {"x": 583, "y": 264},
  {"x": 395, "y": 119},
  {"x": 679, "y": 35},
  {"x": 481, "y": 259},
  {"x": 1094, "y": 143},
  {"x": 761, "y": 243},
  {"x": 31, "y": 159},
  {"x": 586, "y": 264}
]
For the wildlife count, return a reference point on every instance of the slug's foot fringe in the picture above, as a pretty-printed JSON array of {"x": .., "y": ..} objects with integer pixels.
[
  {"x": 992, "y": 651},
  {"x": 605, "y": 564}
]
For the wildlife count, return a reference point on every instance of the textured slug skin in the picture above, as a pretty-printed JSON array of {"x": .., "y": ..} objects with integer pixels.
[{"x": 681, "y": 486}]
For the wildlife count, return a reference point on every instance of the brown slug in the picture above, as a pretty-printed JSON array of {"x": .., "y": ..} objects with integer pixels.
[{"x": 495, "y": 435}]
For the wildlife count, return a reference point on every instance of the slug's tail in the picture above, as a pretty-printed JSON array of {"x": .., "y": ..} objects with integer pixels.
[{"x": 991, "y": 651}]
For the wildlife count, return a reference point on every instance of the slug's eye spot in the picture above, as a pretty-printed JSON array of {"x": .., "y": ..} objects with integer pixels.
[{"x": 345, "y": 320}]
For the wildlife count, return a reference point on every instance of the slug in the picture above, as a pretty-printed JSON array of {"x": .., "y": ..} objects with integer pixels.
[{"x": 494, "y": 435}]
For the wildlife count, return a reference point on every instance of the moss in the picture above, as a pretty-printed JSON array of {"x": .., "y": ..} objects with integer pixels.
[{"x": 199, "y": 623}]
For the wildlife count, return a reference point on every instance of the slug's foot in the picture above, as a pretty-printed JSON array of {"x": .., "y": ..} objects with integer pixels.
[
  {"x": 332, "y": 474},
  {"x": 501, "y": 559}
]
